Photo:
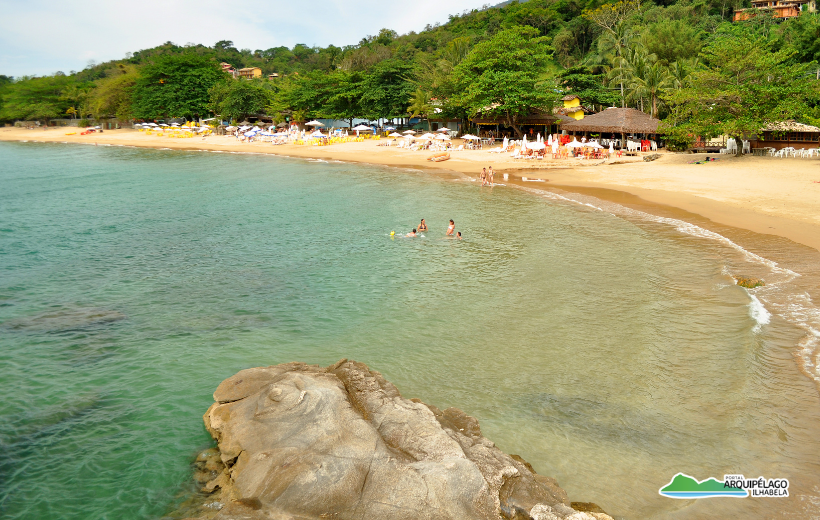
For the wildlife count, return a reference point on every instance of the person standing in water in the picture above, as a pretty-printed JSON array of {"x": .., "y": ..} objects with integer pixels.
[
  {"x": 422, "y": 226},
  {"x": 451, "y": 227},
  {"x": 483, "y": 176},
  {"x": 490, "y": 175}
]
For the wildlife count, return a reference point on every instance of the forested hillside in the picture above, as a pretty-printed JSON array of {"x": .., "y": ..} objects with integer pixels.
[{"x": 682, "y": 61}]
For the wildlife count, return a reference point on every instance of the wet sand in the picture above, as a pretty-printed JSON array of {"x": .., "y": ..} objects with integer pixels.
[{"x": 766, "y": 195}]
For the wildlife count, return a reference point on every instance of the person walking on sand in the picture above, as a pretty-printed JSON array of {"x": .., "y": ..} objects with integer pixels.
[
  {"x": 422, "y": 226},
  {"x": 451, "y": 227},
  {"x": 490, "y": 176}
]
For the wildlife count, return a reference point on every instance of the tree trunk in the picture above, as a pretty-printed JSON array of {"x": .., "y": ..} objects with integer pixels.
[{"x": 514, "y": 126}]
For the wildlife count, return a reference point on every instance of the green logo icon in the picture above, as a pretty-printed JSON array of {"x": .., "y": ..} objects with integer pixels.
[{"x": 684, "y": 486}]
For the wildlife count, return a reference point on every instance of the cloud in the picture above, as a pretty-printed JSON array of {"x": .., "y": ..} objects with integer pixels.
[{"x": 42, "y": 36}]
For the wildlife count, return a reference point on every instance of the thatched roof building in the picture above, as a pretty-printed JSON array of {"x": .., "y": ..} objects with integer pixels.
[
  {"x": 615, "y": 120},
  {"x": 788, "y": 133},
  {"x": 790, "y": 126}
]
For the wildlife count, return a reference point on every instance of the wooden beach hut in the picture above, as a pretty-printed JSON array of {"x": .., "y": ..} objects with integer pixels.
[
  {"x": 787, "y": 134},
  {"x": 618, "y": 122}
]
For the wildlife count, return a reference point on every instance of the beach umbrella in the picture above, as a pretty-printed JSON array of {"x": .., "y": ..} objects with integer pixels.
[
  {"x": 388, "y": 128},
  {"x": 443, "y": 129},
  {"x": 505, "y": 143},
  {"x": 536, "y": 146},
  {"x": 524, "y": 143},
  {"x": 470, "y": 137},
  {"x": 394, "y": 134},
  {"x": 538, "y": 138},
  {"x": 362, "y": 128},
  {"x": 549, "y": 140},
  {"x": 314, "y": 123},
  {"x": 611, "y": 147},
  {"x": 317, "y": 133},
  {"x": 575, "y": 144},
  {"x": 443, "y": 137},
  {"x": 409, "y": 132},
  {"x": 594, "y": 144}
]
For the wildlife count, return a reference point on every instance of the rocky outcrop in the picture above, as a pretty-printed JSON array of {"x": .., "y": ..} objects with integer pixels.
[{"x": 301, "y": 442}]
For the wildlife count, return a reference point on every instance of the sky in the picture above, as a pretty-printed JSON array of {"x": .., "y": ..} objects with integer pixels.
[{"x": 40, "y": 37}]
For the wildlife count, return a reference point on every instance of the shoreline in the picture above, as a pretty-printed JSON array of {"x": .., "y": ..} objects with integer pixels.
[{"x": 745, "y": 193}]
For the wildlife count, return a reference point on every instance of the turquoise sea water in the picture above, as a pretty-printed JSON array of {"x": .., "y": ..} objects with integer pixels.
[{"x": 609, "y": 352}]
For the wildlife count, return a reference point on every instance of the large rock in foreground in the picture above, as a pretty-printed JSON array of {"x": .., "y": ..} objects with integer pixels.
[{"x": 300, "y": 441}]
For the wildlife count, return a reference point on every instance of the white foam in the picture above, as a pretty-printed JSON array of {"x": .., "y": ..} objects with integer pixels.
[{"x": 758, "y": 313}]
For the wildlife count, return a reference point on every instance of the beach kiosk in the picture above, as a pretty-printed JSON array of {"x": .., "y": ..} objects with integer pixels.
[{"x": 617, "y": 123}]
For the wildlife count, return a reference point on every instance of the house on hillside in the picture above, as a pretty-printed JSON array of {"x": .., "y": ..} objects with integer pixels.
[
  {"x": 227, "y": 67},
  {"x": 781, "y": 9},
  {"x": 273, "y": 76},
  {"x": 250, "y": 72},
  {"x": 573, "y": 107}
]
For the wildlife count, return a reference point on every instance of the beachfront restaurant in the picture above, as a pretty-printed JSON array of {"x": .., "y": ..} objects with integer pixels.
[
  {"x": 617, "y": 124},
  {"x": 786, "y": 134},
  {"x": 536, "y": 122}
]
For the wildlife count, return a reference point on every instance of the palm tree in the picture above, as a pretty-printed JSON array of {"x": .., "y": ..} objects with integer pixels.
[
  {"x": 652, "y": 84},
  {"x": 420, "y": 105}
]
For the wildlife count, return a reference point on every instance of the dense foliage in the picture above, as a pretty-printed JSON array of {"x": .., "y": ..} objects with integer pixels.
[{"x": 673, "y": 59}]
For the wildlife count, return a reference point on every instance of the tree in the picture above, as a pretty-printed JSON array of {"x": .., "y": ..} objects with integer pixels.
[
  {"x": 589, "y": 87},
  {"x": 502, "y": 77},
  {"x": 420, "y": 105},
  {"x": 175, "y": 85},
  {"x": 238, "y": 99},
  {"x": 112, "y": 95},
  {"x": 386, "y": 89},
  {"x": 744, "y": 86},
  {"x": 31, "y": 98}
]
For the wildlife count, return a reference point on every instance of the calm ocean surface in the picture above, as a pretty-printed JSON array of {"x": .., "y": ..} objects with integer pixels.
[{"x": 609, "y": 351}]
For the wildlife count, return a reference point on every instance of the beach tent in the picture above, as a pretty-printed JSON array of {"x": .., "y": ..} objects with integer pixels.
[{"x": 314, "y": 123}]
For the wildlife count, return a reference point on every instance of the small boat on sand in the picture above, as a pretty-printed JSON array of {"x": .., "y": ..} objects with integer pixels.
[{"x": 443, "y": 156}]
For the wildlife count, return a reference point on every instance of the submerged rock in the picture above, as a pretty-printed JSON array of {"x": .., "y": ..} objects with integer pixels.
[
  {"x": 299, "y": 441},
  {"x": 65, "y": 319}
]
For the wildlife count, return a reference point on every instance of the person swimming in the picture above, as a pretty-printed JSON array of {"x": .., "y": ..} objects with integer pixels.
[
  {"x": 451, "y": 227},
  {"x": 412, "y": 233},
  {"x": 458, "y": 235},
  {"x": 422, "y": 226}
]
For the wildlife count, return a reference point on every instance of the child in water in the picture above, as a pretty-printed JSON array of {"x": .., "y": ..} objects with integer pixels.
[
  {"x": 412, "y": 233},
  {"x": 458, "y": 235}
]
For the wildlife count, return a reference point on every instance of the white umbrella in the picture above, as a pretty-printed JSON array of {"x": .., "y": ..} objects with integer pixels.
[
  {"x": 575, "y": 144},
  {"x": 536, "y": 146},
  {"x": 443, "y": 129},
  {"x": 538, "y": 138},
  {"x": 361, "y": 128},
  {"x": 594, "y": 144},
  {"x": 555, "y": 146},
  {"x": 428, "y": 136},
  {"x": 314, "y": 123},
  {"x": 317, "y": 133},
  {"x": 611, "y": 146},
  {"x": 505, "y": 143},
  {"x": 524, "y": 143},
  {"x": 409, "y": 132},
  {"x": 390, "y": 128},
  {"x": 443, "y": 137},
  {"x": 469, "y": 137},
  {"x": 394, "y": 134},
  {"x": 549, "y": 140}
]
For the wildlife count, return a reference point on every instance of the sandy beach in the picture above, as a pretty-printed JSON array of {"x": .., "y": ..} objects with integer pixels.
[{"x": 770, "y": 196}]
